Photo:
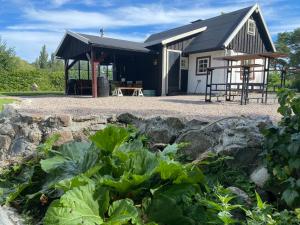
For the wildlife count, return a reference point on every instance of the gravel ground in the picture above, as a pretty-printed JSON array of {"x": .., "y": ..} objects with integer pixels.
[{"x": 190, "y": 107}]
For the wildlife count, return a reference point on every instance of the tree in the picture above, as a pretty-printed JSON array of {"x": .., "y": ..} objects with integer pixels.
[
  {"x": 289, "y": 42},
  {"x": 55, "y": 64},
  {"x": 7, "y": 55},
  {"x": 42, "y": 60}
]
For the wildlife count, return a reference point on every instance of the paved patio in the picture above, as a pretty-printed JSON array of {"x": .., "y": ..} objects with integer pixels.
[{"x": 189, "y": 107}]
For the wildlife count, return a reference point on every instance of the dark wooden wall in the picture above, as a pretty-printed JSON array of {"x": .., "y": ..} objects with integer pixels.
[
  {"x": 246, "y": 43},
  {"x": 75, "y": 49},
  {"x": 181, "y": 44}
]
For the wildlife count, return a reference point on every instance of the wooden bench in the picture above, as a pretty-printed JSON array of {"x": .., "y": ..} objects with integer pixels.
[{"x": 136, "y": 91}]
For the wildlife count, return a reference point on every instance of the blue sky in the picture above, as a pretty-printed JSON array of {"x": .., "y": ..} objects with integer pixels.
[{"x": 27, "y": 25}]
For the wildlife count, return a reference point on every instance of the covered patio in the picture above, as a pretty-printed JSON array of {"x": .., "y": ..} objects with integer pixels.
[{"x": 96, "y": 66}]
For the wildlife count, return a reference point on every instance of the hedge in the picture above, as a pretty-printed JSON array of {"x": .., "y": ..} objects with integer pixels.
[{"x": 23, "y": 80}]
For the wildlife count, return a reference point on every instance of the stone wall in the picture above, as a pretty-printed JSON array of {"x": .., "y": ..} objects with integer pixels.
[{"x": 238, "y": 137}]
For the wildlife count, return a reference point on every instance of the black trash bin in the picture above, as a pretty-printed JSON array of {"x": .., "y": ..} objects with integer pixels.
[{"x": 103, "y": 86}]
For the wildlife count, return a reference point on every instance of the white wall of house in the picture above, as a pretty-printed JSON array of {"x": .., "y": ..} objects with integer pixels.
[
  {"x": 219, "y": 75},
  {"x": 236, "y": 75}
]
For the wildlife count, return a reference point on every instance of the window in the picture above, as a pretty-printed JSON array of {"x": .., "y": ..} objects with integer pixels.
[
  {"x": 252, "y": 73},
  {"x": 202, "y": 64},
  {"x": 184, "y": 63},
  {"x": 251, "y": 27}
]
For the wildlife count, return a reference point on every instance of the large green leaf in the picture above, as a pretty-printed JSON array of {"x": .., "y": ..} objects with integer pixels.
[
  {"x": 132, "y": 168},
  {"x": 110, "y": 138},
  {"x": 289, "y": 196},
  {"x": 123, "y": 212},
  {"x": 77, "y": 206},
  {"x": 71, "y": 160}
]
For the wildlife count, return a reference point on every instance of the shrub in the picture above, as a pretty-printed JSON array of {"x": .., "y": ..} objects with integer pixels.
[
  {"x": 22, "y": 80},
  {"x": 282, "y": 149}
]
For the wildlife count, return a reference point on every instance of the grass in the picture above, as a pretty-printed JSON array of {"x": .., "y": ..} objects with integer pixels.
[
  {"x": 5, "y": 101},
  {"x": 32, "y": 93}
]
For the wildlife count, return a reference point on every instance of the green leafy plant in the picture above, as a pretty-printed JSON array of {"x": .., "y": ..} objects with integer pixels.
[
  {"x": 114, "y": 180},
  {"x": 221, "y": 204},
  {"x": 282, "y": 149},
  {"x": 265, "y": 214}
]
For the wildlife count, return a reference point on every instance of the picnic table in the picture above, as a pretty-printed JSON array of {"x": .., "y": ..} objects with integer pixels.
[{"x": 136, "y": 91}]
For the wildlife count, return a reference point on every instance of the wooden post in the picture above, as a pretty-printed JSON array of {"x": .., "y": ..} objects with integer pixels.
[
  {"x": 243, "y": 86},
  {"x": 211, "y": 79},
  {"x": 94, "y": 64},
  {"x": 79, "y": 75},
  {"x": 66, "y": 76},
  {"x": 267, "y": 81},
  {"x": 206, "y": 86},
  {"x": 247, "y": 85},
  {"x": 88, "y": 69}
]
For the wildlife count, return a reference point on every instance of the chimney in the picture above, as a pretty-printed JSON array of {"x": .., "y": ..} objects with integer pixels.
[{"x": 101, "y": 32}]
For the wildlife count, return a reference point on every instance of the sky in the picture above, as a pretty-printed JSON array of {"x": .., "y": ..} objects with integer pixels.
[{"x": 26, "y": 25}]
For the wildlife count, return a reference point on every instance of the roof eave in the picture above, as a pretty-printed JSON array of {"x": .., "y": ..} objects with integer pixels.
[{"x": 120, "y": 48}]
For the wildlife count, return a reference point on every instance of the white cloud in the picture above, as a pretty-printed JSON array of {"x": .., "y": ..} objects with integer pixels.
[
  {"x": 58, "y": 3},
  {"x": 131, "y": 16}
]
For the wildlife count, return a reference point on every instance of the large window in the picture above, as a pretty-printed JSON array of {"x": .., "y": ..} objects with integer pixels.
[
  {"x": 251, "y": 27},
  {"x": 202, "y": 64}
]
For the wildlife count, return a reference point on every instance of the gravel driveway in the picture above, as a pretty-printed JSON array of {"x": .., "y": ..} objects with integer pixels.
[{"x": 190, "y": 107}]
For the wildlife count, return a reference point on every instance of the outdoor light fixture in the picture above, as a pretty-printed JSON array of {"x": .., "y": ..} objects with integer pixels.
[{"x": 155, "y": 62}]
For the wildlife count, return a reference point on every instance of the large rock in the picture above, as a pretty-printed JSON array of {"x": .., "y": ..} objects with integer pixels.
[
  {"x": 162, "y": 130},
  {"x": 158, "y": 129},
  {"x": 65, "y": 136},
  {"x": 66, "y": 120},
  {"x": 243, "y": 196},
  {"x": 237, "y": 137},
  {"x": 7, "y": 129},
  {"x": 21, "y": 147},
  {"x": 197, "y": 141},
  {"x": 5, "y": 142},
  {"x": 260, "y": 176},
  {"x": 9, "y": 216}
]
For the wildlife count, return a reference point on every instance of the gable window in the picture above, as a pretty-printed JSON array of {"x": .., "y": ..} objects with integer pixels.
[
  {"x": 202, "y": 64},
  {"x": 251, "y": 27}
]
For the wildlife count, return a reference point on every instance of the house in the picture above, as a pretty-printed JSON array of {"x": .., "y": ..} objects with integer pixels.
[{"x": 173, "y": 61}]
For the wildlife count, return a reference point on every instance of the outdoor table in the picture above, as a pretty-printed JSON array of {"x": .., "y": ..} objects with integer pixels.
[{"x": 136, "y": 91}]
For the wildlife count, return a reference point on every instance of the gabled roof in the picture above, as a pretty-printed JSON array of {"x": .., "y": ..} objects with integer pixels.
[
  {"x": 219, "y": 31},
  {"x": 232, "y": 19},
  {"x": 104, "y": 42}
]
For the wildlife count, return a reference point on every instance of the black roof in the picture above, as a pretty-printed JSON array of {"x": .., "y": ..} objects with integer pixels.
[
  {"x": 218, "y": 30},
  {"x": 115, "y": 43}
]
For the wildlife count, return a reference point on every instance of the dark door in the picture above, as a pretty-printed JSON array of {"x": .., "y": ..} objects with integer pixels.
[
  {"x": 173, "y": 71},
  {"x": 184, "y": 80}
]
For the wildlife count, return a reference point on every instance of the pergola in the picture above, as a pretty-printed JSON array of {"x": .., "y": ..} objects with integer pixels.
[{"x": 245, "y": 87}]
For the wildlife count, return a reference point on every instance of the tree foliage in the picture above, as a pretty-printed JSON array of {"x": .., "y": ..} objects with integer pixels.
[
  {"x": 289, "y": 43},
  {"x": 7, "y": 55}
]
